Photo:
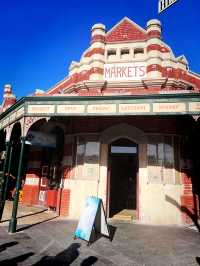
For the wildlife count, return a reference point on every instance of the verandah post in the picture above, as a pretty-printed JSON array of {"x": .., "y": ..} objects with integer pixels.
[
  {"x": 13, "y": 220},
  {"x": 3, "y": 186}
]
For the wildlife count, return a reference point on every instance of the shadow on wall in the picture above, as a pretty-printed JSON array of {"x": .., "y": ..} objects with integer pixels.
[
  {"x": 190, "y": 150},
  {"x": 185, "y": 210}
]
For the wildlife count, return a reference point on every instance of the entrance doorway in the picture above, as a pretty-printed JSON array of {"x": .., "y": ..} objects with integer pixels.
[{"x": 123, "y": 169}]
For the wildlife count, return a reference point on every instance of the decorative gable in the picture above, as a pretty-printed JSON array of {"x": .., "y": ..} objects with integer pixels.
[{"x": 126, "y": 30}]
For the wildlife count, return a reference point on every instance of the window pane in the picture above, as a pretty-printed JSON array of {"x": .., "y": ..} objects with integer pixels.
[
  {"x": 92, "y": 152},
  {"x": 87, "y": 157},
  {"x": 80, "y": 153},
  {"x": 160, "y": 154},
  {"x": 155, "y": 154},
  {"x": 120, "y": 149},
  {"x": 152, "y": 154},
  {"x": 168, "y": 153},
  {"x": 92, "y": 159}
]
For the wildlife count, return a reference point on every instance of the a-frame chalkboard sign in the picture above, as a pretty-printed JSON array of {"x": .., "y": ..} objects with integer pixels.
[{"x": 92, "y": 221}]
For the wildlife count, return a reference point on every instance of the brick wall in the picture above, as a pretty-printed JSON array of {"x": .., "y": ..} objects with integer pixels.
[
  {"x": 63, "y": 200},
  {"x": 32, "y": 180},
  {"x": 189, "y": 201},
  {"x": 125, "y": 31}
]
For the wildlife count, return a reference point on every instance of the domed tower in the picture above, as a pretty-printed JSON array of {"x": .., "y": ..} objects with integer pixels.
[
  {"x": 97, "y": 50},
  {"x": 154, "y": 62},
  {"x": 8, "y": 97}
]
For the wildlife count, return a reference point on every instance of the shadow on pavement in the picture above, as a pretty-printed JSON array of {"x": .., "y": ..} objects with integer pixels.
[
  {"x": 16, "y": 260},
  {"x": 198, "y": 260},
  {"x": 112, "y": 230},
  {"x": 96, "y": 235},
  {"x": 30, "y": 225},
  {"x": 89, "y": 261},
  {"x": 66, "y": 257},
  {"x": 26, "y": 215},
  {"x": 7, "y": 245}
]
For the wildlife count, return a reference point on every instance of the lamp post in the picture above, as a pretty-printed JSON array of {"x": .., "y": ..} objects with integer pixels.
[
  {"x": 3, "y": 186},
  {"x": 13, "y": 220}
]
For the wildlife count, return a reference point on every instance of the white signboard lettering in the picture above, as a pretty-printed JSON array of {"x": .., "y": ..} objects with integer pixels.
[
  {"x": 101, "y": 108},
  {"x": 163, "y": 4},
  {"x": 42, "y": 195},
  {"x": 169, "y": 107},
  {"x": 125, "y": 71}
]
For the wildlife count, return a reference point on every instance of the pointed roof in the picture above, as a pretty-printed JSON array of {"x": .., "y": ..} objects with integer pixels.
[
  {"x": 126, "y": 30},
  {"x": 182, "y": 59}
]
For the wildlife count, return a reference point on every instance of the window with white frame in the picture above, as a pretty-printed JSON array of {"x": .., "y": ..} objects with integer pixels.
[
  {"x": 125, "y": 53},
  {"x": 163, "y": 159},
  {"x": 87, "y": 157},
  {"x": 111, "y": 54},
  {"x": 138, "y": 52}
]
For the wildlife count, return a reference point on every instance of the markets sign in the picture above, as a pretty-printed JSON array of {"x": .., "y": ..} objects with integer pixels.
[
  {"x": 125, "y": 71},
  {"x": 164, "y": 4}
]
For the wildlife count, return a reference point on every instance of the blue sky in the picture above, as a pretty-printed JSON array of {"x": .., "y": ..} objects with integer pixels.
[{"x": 39, "y": 39}]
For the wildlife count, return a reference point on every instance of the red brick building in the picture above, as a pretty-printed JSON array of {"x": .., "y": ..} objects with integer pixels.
[{"x": 123, "y": 126}]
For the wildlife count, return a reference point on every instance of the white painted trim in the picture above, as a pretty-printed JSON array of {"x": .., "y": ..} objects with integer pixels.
[{"x": 32, "y": 181}]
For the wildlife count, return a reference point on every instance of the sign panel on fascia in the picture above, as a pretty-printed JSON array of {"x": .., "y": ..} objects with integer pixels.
[{"x": 125, "y": 71}]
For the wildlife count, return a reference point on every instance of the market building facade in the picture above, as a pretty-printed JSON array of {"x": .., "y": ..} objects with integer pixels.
[{"x": 123, "y": 125}]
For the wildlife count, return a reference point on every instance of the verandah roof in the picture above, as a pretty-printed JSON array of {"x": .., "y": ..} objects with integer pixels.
[{"x": 119, "y": 105}]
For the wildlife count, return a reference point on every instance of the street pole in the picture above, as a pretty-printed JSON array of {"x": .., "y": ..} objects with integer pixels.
[
  {"x": 13, "y": 220},
  {"x": 2, "y": 188}
]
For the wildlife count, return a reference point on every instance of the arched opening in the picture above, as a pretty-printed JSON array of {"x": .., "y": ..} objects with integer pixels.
[
  {"x": 2, "y": 148},
  {"x": 52, "y": 157},
  {"x": 2, "y": 157},
  {"x": 15, "y": 140},
  {"x": 44, "y": 173},
  {"x": 123, "y": 170}
]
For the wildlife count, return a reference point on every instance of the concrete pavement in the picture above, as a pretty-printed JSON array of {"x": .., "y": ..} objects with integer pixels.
[
  {"x": 45, "y": 239},
  {"x": 52, "y": 243}
]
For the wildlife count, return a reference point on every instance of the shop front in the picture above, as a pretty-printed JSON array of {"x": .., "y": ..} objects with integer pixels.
[{"x": 123, "y": 126}]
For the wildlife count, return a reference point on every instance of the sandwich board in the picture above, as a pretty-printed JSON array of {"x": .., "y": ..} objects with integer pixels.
[{"x": 92, "y": 221}]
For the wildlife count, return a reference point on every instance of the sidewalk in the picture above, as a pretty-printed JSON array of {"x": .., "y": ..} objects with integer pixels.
[
  {"x": 27, "y": 215},
  {"x": 52, "y": 243}
]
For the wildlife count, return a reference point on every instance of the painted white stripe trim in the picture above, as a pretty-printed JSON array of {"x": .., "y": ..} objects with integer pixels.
[{"x": 33, "y": 181}]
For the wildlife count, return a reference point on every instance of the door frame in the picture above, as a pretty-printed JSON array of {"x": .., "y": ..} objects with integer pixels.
[
  {"x": 108, "y": 194},
  {"x": 109, "y": 135}
]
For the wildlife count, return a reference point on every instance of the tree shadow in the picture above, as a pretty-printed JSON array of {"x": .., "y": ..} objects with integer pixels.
[
  {"x": 192, "y": 216},
  {"x": 66, "y": 257},
  {"x": 15, "y": 261},
  {"x": 7, "y": 245}
]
